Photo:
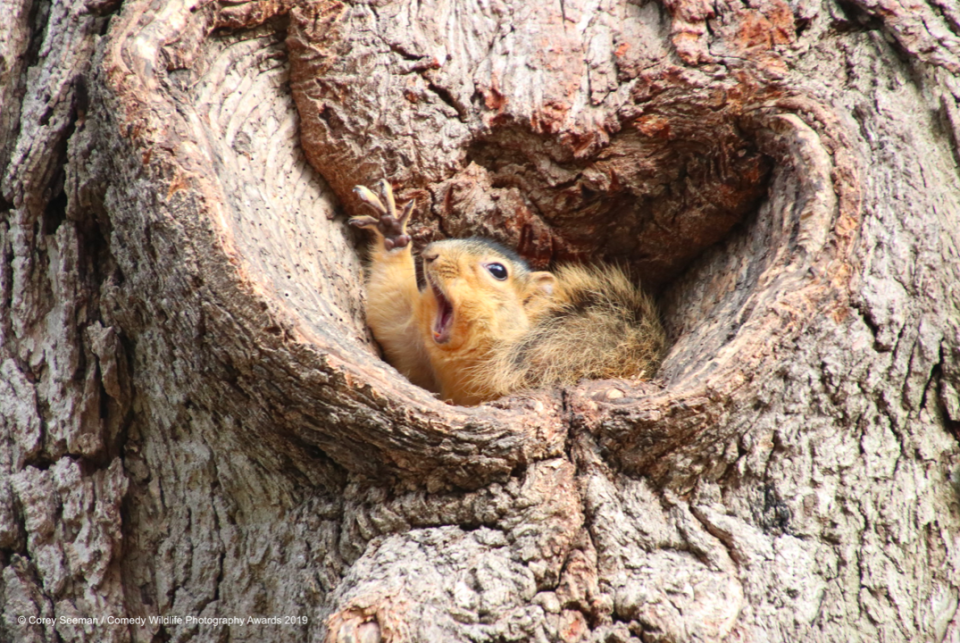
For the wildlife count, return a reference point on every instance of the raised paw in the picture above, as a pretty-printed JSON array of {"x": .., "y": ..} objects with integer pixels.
[{"x": 390, "y": 227}]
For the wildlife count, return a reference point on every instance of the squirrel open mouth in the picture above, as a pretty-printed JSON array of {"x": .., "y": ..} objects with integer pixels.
[{"x": 444, "y": 321}]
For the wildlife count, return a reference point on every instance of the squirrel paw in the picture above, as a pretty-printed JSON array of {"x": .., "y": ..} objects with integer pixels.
[{"x": 389, "y": 226}]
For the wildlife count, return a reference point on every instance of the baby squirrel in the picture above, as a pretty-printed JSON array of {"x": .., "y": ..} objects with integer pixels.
[{"x": 486, "y": 325}]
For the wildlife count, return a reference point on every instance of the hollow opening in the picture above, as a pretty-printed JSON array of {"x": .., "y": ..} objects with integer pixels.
[{"x": 667, "y": 202}]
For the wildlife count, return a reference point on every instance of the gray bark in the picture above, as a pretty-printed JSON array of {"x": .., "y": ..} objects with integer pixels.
[{"x": 195, "y": 421}]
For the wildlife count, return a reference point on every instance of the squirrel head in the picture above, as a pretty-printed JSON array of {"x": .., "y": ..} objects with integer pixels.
[{"x": 478, "y": 292}]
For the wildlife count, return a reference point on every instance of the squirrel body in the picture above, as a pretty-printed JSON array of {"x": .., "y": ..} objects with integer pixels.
[{"x": 484, "y": 324}]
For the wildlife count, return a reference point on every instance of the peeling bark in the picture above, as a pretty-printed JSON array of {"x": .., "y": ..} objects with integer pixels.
[{"x": 195, "y": 422}]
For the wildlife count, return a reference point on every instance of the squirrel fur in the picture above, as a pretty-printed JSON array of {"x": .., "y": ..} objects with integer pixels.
[{"x": 485, "y": 324}]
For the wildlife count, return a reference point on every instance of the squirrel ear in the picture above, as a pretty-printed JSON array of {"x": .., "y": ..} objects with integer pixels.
[{"x": 542, "y": 283}]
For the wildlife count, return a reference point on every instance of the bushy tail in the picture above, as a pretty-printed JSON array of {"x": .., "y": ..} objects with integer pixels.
[{"x": 600, "y": 326}]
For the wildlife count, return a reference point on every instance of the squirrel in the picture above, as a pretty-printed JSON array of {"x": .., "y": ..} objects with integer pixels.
[{"x": 485, "y": 324}]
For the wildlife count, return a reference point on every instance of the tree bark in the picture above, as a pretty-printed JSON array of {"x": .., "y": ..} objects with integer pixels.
[{"x": 195, "y": 423}]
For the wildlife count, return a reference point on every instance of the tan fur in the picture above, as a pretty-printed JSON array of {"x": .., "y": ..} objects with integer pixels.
[
  {"x": 598, "y": 325},
  {"x": 529, "y": 330}
]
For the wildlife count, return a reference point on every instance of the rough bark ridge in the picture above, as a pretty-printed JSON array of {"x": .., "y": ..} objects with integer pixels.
[{"x": 195, "y": 422}]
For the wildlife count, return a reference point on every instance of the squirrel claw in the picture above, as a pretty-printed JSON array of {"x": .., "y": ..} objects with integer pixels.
[
  {"x": 387, "y": 190},
  {"x": 369, "y": 198},
  {"x": 392, "y": 228},
  {"x": 407, "y": 209},
  {"x": 363, "y": 222}
]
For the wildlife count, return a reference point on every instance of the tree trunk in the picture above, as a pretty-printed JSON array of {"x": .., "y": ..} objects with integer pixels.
[{"x": 196, "y": 424}]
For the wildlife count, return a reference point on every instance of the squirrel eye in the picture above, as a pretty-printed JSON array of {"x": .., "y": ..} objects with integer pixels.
[{"x": 497, "y": 270}]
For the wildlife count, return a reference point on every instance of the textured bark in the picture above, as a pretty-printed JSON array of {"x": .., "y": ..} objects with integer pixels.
[{"x": 195, "y": 422}]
